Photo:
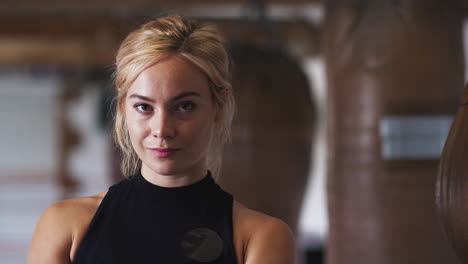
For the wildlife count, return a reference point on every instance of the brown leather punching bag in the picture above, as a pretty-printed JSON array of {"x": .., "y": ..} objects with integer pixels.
[
  {"x": 266, "y": 166},
  {"x": 452, "y": 188},
  {"x": 391, "y": 66}
]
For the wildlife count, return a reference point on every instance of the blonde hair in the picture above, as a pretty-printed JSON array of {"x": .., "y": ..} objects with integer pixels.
[{"x": 197, "y": 43}]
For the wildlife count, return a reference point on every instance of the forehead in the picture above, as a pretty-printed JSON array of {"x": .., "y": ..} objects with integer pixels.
[{"x": 170, "y": 76}]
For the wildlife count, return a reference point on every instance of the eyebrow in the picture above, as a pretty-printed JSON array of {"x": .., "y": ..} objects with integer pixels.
[{"x": 175, "y": 98}]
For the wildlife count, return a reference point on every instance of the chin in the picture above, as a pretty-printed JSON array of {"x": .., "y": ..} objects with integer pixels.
[{"x": 166, "y": 169}]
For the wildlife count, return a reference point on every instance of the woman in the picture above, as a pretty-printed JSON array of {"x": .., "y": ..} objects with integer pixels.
[{"x": 174, "y": 111}]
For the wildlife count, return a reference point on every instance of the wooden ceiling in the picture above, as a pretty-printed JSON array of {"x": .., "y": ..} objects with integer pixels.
[
  {"x": 122, "y": 6},
  {"x": 93, "y": 41},
  {"x": 88, "y": 32},
  {"x": 12, "y": 7}
]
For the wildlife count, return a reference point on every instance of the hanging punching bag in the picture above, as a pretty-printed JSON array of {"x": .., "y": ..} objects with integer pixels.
[
  {"x": 266, "y": 166},
  {"x": 452, "y": 188},
  {"x": 393, "y": 68}
]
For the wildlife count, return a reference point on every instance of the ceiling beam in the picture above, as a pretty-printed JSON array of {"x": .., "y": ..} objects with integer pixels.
[
  {"x": 93, "y": 42},
  {"x": 125, "y": 6}
]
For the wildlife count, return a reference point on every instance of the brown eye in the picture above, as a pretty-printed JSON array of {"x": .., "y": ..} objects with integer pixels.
[
  {"x": 143, "y": 107},
  {"x": 186, "y": 107}
]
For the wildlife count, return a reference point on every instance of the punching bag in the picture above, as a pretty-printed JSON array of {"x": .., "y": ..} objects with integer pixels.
[
  {"x": 266, "y": 166},
  {"x": 452, "y": 188},
  {"x": 391, "y": 65}
]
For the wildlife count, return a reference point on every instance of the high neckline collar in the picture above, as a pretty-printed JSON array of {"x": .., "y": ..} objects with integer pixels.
[{"x": 202, "y": 185}]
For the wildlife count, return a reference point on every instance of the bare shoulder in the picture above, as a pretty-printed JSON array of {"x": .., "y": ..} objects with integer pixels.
[
  {"x": 265, "y": 239},
  {"x": 60, "y": 227}
]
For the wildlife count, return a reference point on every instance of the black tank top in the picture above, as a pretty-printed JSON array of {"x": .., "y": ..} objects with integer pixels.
[{"x": 138, "y": 222}]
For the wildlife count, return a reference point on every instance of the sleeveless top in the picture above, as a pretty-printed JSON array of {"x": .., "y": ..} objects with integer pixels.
[{"x": 139, "y": 222}]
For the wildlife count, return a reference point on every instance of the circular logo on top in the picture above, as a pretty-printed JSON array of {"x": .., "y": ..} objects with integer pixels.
[{"x": 202, "y": 244}]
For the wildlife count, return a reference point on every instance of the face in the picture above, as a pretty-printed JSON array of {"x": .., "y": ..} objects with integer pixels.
[{"x": 170, "y": 117}]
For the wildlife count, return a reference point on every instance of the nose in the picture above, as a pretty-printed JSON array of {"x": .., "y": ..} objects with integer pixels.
[{"x": 162, "y": 125}]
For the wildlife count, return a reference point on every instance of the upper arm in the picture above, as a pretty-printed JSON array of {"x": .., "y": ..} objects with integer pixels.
[
  {"x": 52, "y": 239},
  {"x": 273, "y": 242}
]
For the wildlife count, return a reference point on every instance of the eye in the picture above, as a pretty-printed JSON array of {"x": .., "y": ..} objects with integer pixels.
[
  {"x": 185, "y": 107},
  {"x": 143, "y": 107}
]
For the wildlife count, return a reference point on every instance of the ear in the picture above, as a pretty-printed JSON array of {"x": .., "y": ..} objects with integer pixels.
[{"x": 225, "y": 92}]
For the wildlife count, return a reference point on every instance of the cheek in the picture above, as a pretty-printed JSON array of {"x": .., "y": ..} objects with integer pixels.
[
  {"x": 203, "y": 132},
  {"x": 135, "y": 129}
]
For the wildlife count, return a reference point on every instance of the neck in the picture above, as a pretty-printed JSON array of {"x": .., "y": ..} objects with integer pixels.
[{"x": 196, "y": 174}]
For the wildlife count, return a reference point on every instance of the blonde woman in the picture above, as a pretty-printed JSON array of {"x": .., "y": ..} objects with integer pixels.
[{"x": 174, "y": 111}]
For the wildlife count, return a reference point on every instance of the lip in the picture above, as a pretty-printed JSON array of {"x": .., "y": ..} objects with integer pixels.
[{"x": 164, "y": 152}]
